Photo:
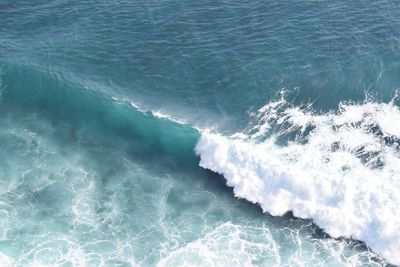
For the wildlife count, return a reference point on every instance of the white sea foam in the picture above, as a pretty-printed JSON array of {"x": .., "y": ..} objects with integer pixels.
[
  {"x": 341, "y": 169},
  {"x": 231, "y": 244},
  {"x": 6, "y": 261},
  {"x": 227, "y": 245},
  {"x": 160, "y": 115}
]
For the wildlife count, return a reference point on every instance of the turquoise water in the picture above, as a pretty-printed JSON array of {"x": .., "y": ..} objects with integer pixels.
[{"x": 121, "y": 124}]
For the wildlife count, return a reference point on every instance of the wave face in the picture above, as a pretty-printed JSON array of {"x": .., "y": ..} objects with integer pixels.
[{"x": 340, "y": 169}]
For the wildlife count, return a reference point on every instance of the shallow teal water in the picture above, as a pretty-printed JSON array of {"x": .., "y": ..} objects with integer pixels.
[{"x": 87, "y": 179}]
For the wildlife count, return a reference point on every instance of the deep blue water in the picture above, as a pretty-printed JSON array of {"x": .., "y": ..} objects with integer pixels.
[{"x": 102, "y": 104}]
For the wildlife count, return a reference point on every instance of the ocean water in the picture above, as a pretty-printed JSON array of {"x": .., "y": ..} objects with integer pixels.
[{"x": 199, "y": 133}]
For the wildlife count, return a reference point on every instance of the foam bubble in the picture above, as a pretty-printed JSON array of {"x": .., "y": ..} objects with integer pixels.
[
  {"x": 339, "y": 168},
  {"x": 6, "y": 261}
]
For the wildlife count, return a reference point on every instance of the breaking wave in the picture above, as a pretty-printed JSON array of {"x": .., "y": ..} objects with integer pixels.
[
  {"x": 340, "y": 169},
  {"x": 81, "y": 162}
]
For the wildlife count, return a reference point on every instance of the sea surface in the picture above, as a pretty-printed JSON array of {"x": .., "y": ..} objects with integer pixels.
[{"x": 199, "y": 133}]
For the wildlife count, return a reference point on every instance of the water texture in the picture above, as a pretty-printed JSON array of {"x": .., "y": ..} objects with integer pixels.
[{"x": 199, "y": 133}]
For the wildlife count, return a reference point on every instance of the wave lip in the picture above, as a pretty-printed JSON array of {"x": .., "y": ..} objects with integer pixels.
[{"x": 343, "y": 173}]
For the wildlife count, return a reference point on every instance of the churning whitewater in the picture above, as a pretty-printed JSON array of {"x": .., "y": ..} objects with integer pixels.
[{"x": 340, "y": 169}]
